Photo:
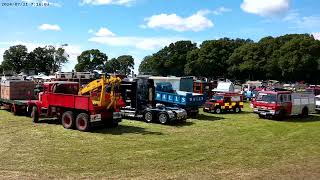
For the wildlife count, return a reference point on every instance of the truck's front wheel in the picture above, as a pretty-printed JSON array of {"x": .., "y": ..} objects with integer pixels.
[
  {"x": 148, "y": 117},
  {"x": 35, "y": 114},
  {"x": 83, "y": 122},
  {"x": 67, "y": 120}
]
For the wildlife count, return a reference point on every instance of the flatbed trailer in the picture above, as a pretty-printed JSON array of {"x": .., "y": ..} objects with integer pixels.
[{"x": 15, "y": 106}]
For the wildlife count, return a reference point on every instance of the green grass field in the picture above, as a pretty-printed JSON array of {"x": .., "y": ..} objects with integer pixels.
[{"x": 212, "y": 147}]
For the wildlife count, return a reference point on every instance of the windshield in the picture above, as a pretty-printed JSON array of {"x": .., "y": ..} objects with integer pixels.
[
  {"x": 217, "y": 97},
  {"x": 270, "y": 98}
]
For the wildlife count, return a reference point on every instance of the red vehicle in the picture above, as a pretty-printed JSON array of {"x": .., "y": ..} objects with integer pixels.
[
  {"x": 221, "y": 102},
  {"x": 203, "y": 87},
  {"x": 75, "y": 108},
  {"x": 279, "y": 104}
]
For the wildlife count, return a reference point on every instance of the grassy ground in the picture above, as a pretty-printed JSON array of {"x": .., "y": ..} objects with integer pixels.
[{"x": 214, "y": 146}]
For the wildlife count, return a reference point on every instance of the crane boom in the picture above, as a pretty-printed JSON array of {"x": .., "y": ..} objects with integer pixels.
[{"x": 101, "y": 84}]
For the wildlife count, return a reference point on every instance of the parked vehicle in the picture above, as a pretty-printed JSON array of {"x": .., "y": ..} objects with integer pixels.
[
  {"x": 223, "y": 102},
  {"x": 279, "y": 104},
  {"x": 186, "y": 100},
  {"x": 204, "y": 87},
  {"x": 318, "y": 103},
  {"x": 80, "y": 109},
  {"x": 139, "y": 96}
]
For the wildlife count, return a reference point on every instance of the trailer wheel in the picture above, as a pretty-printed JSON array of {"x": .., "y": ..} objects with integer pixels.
[
  {"x": 236, "y": 109},
  {"x": 83, "y": 122},
  {"x": 35, "y": 114},
  {"x": 305, "y": 112},
  {"x": 218, "y": 110},
  {"x": 163, "y": 118},
  {"x": 67, "y": 120},
  {"x": 14, "y": 110},
  {"x": 148, "y": 117}
]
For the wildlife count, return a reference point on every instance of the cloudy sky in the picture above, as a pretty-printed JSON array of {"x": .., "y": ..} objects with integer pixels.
[{"x": 141, "y": 27}]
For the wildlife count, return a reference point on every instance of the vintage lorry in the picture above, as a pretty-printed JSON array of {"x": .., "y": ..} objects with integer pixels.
[
  {"x": 139, "y": 96},
  {"x": 280, "y": 104},
  {"x": 76, "y": 107}
]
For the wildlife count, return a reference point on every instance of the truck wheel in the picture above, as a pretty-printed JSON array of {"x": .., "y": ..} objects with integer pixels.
[
  {"x": 163, "y": 118},
  {"x": 35, "y": 114},
  {"x": 148, "y": 117},
  {"x": 305, "y": 112},
  {"x": 218, "y": 110},
  {"x": 67, "y": 120},
  {"x": 83, "y": 122},
  {"x": 14, "y": 110},
  {"x": 236, "y": 109}
]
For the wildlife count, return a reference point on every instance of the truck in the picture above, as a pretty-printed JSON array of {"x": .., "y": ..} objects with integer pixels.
[
  {"x": 139, "y": 97},
  {"x": 224, "y": 102},
  {"x": 186, "y": 100},
  {"x": 80, "y": 108},
  {"x": 280, "y": 104}
]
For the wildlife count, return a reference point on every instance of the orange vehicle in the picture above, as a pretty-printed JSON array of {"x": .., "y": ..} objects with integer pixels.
[{"x": 223, "y": 102}]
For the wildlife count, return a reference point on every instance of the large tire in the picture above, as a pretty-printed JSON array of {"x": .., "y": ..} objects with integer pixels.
[
  {"x": 67, "y": 120},
  {"x": 35, "y": 114},
  {"x": 148, "y": 116},
  {"x": 305, "y": 112},
  {"x": 83, "y": 122},
  {"x": 282, "y": 115},
  {"x": 237, "y": 109},
  {"x": 218, "y": 110},
  {"x": 163, "y": 118}
]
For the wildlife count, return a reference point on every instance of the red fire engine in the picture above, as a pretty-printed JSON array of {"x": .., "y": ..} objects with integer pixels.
[
  {"x": 221, "y": 102},
  {"x": 280, "y": 104}
]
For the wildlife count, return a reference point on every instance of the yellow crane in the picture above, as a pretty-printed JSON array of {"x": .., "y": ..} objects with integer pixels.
[{"x": 100, "y": 85}]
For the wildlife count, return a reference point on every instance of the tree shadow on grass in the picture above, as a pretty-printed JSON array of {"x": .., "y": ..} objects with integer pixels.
[
  {"x": 204, "y": 117},
  {"x": 123, "y": 129},
  {"x": 299, "y": 119}
]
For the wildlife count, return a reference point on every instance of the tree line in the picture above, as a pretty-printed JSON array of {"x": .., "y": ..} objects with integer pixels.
[
  {"x": 49, "y": 59},
  {"x": 46, "y": 59},
  {"x": 293, "y": 57}
]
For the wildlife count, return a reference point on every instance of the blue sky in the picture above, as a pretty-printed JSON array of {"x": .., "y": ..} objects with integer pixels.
[{"x": 142, "y": 27}]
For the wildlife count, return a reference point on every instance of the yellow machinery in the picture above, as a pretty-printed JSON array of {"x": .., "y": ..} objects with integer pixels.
[{"x": 100, "y": 85}]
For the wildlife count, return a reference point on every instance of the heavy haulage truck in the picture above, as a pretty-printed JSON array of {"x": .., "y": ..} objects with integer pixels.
[
  {"x": 280, "y": 104},
  {"x": 80, "y": 108},
  {"x": 139, "y": 96}
]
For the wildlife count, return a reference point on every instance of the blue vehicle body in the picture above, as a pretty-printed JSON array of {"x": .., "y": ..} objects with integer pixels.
[{"x": 186, "y": 100}]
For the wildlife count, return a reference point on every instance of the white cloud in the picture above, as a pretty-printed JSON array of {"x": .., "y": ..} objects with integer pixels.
[
  {"x": 143, "y": 43},
  {"x": 265, "y": 7},
  {"x": 316, "y": 35},
  {"x": 49, "y": 27},
  {"x": 106, "y": 37},
  {"x": 104, "y": 32},
  {"x": 107, "y": 2},
  {"x": 308, "y": 23},
  {"x": 195, "y": 22},
  {"x": 221, "y": 10}
]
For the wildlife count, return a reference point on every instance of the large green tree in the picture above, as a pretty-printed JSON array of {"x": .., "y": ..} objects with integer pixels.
[
  {"x": 123, "y": 64},
  {"x": 170, "y": 60},
  {"x": 15, "y": 58},
  {"x": 90, "y": 60}
]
